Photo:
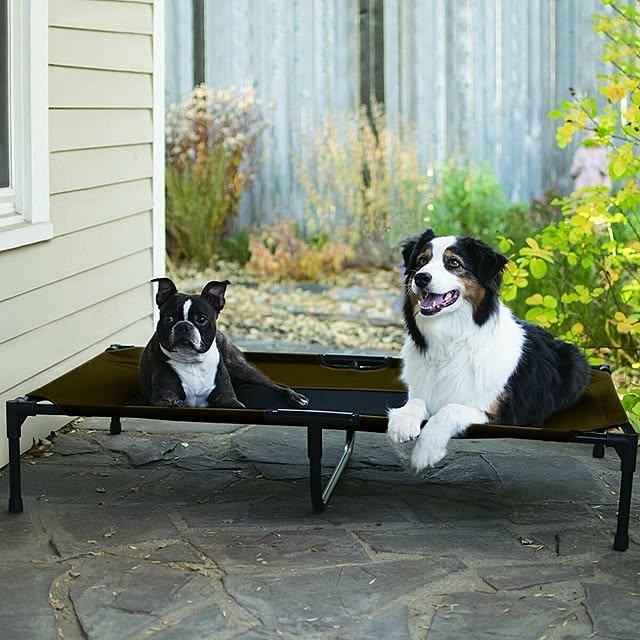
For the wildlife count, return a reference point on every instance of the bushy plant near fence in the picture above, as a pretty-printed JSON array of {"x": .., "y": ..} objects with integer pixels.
[
  {"x": 211, "y": 140},
  {"x": 466, "y": 199},
  {"x": 280, "y": 251},
  {"x": 362, "y": 183},
  {"x": 581, "y": 276}
]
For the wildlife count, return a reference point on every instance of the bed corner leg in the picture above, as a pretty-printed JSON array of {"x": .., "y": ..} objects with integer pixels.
[
  {"x": 320, "y": 497},
  {"x": 627, "y": 450},
  {"x": 115, "y": 426},
  {"x": 15, "y": 419},
  {"x": 598, "y": 450},
  {"x": 314, "y": 452}
]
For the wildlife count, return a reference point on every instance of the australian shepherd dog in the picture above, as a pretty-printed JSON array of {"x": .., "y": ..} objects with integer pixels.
[{"x": 467, "y": 359}]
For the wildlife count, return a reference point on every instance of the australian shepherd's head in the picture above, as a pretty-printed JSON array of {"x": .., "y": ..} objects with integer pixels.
[{"x": 449, "y": 275}]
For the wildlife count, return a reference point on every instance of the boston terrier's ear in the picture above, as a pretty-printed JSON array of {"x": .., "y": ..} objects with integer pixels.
[
  {"x": 213, "y": 292},
  {"x": 166, "y": 289}
]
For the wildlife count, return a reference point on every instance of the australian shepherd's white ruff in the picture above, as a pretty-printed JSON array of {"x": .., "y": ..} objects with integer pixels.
[{"x": 466, "y": 358}]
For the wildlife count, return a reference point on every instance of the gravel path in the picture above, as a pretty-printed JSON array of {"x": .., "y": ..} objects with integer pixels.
[{"x": 355, "y": 310}]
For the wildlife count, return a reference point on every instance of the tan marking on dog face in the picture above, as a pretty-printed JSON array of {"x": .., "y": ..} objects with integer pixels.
[
  {"x": 474, "y": 292},
  {"x": 452, "y": 261},
  {"x": 424, "y": 256},
  {"x": 415, "y": 299}
]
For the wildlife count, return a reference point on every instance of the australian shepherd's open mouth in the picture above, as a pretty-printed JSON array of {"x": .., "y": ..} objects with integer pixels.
[{"x": 433, "y": 303}]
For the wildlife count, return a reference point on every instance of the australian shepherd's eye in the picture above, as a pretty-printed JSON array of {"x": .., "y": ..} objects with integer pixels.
[
  {"x": 454, "y": 263},
  {"x": 421, "y": 261}
]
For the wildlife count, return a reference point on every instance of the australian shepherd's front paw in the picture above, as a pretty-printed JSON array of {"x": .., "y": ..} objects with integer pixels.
[
  {"x": 405, "y": 422},
  {"x": 427, "y": 451},
  {"x": 431, "y": 446}
]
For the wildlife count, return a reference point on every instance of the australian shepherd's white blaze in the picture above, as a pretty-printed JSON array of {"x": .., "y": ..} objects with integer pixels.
[{"x": 467, "y": 359}]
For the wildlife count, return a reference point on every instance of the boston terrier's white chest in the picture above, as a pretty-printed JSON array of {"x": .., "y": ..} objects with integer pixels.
[{"x": 198, "y": 375}]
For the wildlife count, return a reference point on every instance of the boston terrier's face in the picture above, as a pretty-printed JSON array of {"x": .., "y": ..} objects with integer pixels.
[{"x": 187, "y": 325}]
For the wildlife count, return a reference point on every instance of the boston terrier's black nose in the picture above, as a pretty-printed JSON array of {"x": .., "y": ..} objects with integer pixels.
[
  {"x": 422, "y": 279},
  {"x": 182, "y": 328}
]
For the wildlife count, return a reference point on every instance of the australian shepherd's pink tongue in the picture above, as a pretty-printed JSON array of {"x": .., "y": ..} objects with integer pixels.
[{"x": 434, "y": 302}]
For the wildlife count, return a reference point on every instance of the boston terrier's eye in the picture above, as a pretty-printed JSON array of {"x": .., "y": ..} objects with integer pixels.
[
  {"x": 201, "y": 320},
  {"x": 167, "y": 319}
]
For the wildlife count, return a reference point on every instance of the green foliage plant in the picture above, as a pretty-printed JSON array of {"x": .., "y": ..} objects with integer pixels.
[
  {"x": 211, "y": 160},
  {"x": 468, "y": 200},
  {"x": 581, "y": 275},
  {"x": 362, "y": 183}
]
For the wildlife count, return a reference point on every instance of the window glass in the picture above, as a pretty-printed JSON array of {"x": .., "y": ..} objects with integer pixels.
[{"x": 5, "y": 177}]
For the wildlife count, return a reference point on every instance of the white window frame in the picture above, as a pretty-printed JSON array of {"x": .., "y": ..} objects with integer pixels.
[{"x": 24, "y": 205}]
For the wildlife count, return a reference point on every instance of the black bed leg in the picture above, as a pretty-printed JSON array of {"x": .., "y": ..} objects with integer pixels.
[
  {"x": 598, "y": 450},
  {"x": 115, "y": 426},
  {"x": 628, "y": 452},
  {"x": 314, "y": 451},
  {"x": 15, "y": 420}
]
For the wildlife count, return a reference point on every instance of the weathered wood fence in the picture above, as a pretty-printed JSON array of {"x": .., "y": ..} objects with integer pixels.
[{"x": 478, "y": 77}]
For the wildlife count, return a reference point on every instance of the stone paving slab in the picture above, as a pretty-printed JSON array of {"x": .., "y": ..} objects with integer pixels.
[
  {"x": 194, "y": 534},
  {"x": 503, "y": 578},
  {"x": 25, "y": 612},
  {"x": 391, "y": 624},
  {"x": 615, "y": 612},
  {"x": 255, "y": 549},
  {"x": 324, "y": 601},
  {"x": 480, "y": 543},
  {"x": 120, "y": 597},
  {"x": 481, "y": 615},
  {"x": 73, "y": 533}
]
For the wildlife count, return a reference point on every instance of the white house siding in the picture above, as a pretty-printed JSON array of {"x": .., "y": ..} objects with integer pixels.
[{"x": 65, "y": 300}]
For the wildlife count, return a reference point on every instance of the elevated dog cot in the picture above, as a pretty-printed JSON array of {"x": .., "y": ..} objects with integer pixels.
[{"x": 349, "y": 393}]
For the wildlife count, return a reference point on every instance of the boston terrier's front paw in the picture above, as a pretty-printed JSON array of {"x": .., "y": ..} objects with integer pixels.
[
  {"x": 170, "y": 402},
  {"x": 231, "y": 403},
  {"x": 295, "y": 399}
]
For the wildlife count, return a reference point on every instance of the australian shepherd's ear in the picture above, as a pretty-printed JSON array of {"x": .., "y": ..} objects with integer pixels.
[
  {"x": 410, "y": 244},
  {"x": 488, "y": 265}
]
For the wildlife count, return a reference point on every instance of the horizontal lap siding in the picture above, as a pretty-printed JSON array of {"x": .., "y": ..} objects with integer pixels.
[
  {"x": 111, "y": 16},
  {"x": 89, "y": 128},
  {"x": 69, "y": 298},
  {"x": 99, "y": 89}
]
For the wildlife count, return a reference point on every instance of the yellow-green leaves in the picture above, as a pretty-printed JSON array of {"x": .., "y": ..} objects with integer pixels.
[
  {"x": 538, "y": 258},
  {"x": 616, "y": 90},
  {"x": 543, "y": 309},
  {"x": 626, "y": 324},
  {"x": 622, "y": 160}
]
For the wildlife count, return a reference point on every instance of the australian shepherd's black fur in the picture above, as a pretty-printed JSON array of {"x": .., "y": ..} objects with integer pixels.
[{"x": 467, "y": 359}]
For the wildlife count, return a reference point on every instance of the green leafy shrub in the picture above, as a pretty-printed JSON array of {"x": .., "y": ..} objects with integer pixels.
[
  {"x": 235, "y": 247},
  {"x": 467, "y": 200},
  {"x": 362, "y": 184},
  {"x": 211, "y": 140},
  {"x": 582, "y": 274}
]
